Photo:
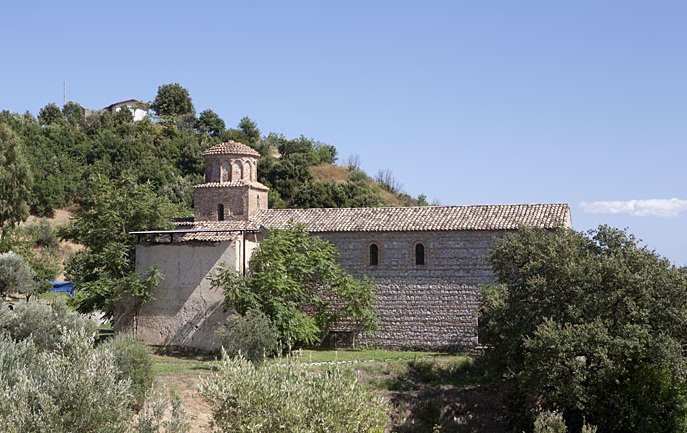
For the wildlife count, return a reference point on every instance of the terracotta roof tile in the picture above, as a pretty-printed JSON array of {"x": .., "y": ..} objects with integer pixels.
[
  {"x": 231, "y": 148},
  {"x": 423, "y": 218},
  {"x": 390, "y": 219}
]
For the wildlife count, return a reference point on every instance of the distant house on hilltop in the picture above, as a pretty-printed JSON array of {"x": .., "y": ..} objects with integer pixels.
[
  {"x": 428, "y": 263},
  {"x": 138, "y": 109}
]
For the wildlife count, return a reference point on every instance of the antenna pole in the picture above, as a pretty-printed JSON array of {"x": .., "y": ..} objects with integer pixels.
[{"x": 64, "y": 98}]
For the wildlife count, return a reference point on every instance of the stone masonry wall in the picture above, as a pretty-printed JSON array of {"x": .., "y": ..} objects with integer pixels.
[
  {"x": 239, "y": 202},
  {"x": 206, "y": 200},
  {"x": 431, "y": 306}
]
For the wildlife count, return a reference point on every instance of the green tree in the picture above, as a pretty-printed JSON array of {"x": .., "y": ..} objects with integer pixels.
[
  {"x": 589, "y": 325},
  {"x": 250, "y": 130},
  {"x": 295, "y": 281},
  {"x": 210, "y": 123},
  {"x": 74, "y": 113},
  {"x": 247, "y": 133},
  {"x": 15, "y": 180},
  {"x": 104, "y": 271},
  {"x": 173, "y": 100},
  {"x": 50, "y": 115}
]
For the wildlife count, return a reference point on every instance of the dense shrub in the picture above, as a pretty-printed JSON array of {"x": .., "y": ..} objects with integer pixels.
[
  {"x": 43, "y": 391},
  {"x": 251, "y": 335},
  {"x": 46, "y": 326},
  {"x": 591, "y": 325},
  {"x": 53, "y": 379},
  {"x": 550, "y": 422},
  {"x": 291, "y": 397},
  {"x": 133, "y": 362},
  {"x": 553, "y": 422},
  {"x": 15, "y": 274},
  {"x": 43, "y": 234}
]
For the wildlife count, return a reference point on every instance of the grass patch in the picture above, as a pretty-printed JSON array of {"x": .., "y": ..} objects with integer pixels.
[
  {"x": 363, "y": 355},
  {"x": 329, "y": 173},
  {"x": 170, "y": 361}
]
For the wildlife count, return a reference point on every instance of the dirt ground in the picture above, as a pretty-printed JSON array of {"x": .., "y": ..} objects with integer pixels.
[{"x": 186, "y": 386}]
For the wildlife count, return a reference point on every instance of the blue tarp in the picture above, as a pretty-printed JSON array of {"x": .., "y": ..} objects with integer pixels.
[{"x": 68, "y": 287}]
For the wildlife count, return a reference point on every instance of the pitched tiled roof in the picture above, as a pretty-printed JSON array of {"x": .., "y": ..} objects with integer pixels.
[
  {"x": 422, "y": 218},
  {"x": 231, "y": 148},
  {"x": 389, "y": 219}
]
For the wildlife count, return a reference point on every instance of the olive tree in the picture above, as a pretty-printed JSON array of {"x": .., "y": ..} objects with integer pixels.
[{"x": 15, "y": 275}]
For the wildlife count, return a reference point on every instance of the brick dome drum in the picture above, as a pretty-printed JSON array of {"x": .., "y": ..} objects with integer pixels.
[{"x": 231, "y": 190}]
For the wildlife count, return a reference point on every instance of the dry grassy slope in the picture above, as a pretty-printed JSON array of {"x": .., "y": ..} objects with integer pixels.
[
  {"x": 337, "y": 174},
  {"x": 60, "y": 218}
]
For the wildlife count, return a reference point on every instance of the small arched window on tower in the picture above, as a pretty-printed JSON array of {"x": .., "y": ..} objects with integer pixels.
[
  {"x": 419, "y": 253},
  {"x": 374, "y": 255},
  {"x": 220, "y": 212}
]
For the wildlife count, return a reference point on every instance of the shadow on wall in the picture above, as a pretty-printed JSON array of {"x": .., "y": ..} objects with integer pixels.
[{"x": 199, "y": 331}]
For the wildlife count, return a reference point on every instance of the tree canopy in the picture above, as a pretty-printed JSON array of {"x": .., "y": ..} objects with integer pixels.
[
  {"x": 15, "y": 180},
  {"x": 173, "y": 100},
  {"x": 590, "y": 325},
  {"x": 64, "y": 147},
  {"x": 210, "y": 123},
  {"x": 105, "y": 270},
  {"x": 295, "y": 280}
]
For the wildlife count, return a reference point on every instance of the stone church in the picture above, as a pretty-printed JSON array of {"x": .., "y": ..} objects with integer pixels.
[{"x": 427, "y": 263}]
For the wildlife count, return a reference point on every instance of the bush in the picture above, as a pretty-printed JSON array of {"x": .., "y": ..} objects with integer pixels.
[
  {"x": 550, "y": 422},
  {"x": 133, "y": 363},
  {"x": 290, "y": 397},
  {"x": 43, "y": 234},
  {"x": 45, "y": 391},
  {"x": 46, "y": 326},
  {"x": 251, "y": 335},
  {"x": 15, "y": 274},
  {"x": 53, "y": 379}
]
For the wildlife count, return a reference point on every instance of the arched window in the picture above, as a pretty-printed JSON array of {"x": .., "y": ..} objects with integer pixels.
[
  {"x": 220, "y": 212},
  {"x": 419, "y": 254},
  {"x": 374, "y": 255}
]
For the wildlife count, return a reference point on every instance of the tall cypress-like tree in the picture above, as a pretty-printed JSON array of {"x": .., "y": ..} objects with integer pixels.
[{"x": 15, "y": 181}]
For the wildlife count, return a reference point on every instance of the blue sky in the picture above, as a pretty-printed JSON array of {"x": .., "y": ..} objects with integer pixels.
[{"x": 468, "y": 102}]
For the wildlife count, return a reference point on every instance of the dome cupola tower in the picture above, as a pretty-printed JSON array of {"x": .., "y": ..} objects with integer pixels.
[{"x": 231, "y": 190}]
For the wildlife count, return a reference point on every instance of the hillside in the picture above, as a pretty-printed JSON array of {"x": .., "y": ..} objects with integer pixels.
[{"x": 67, "y": 148}]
